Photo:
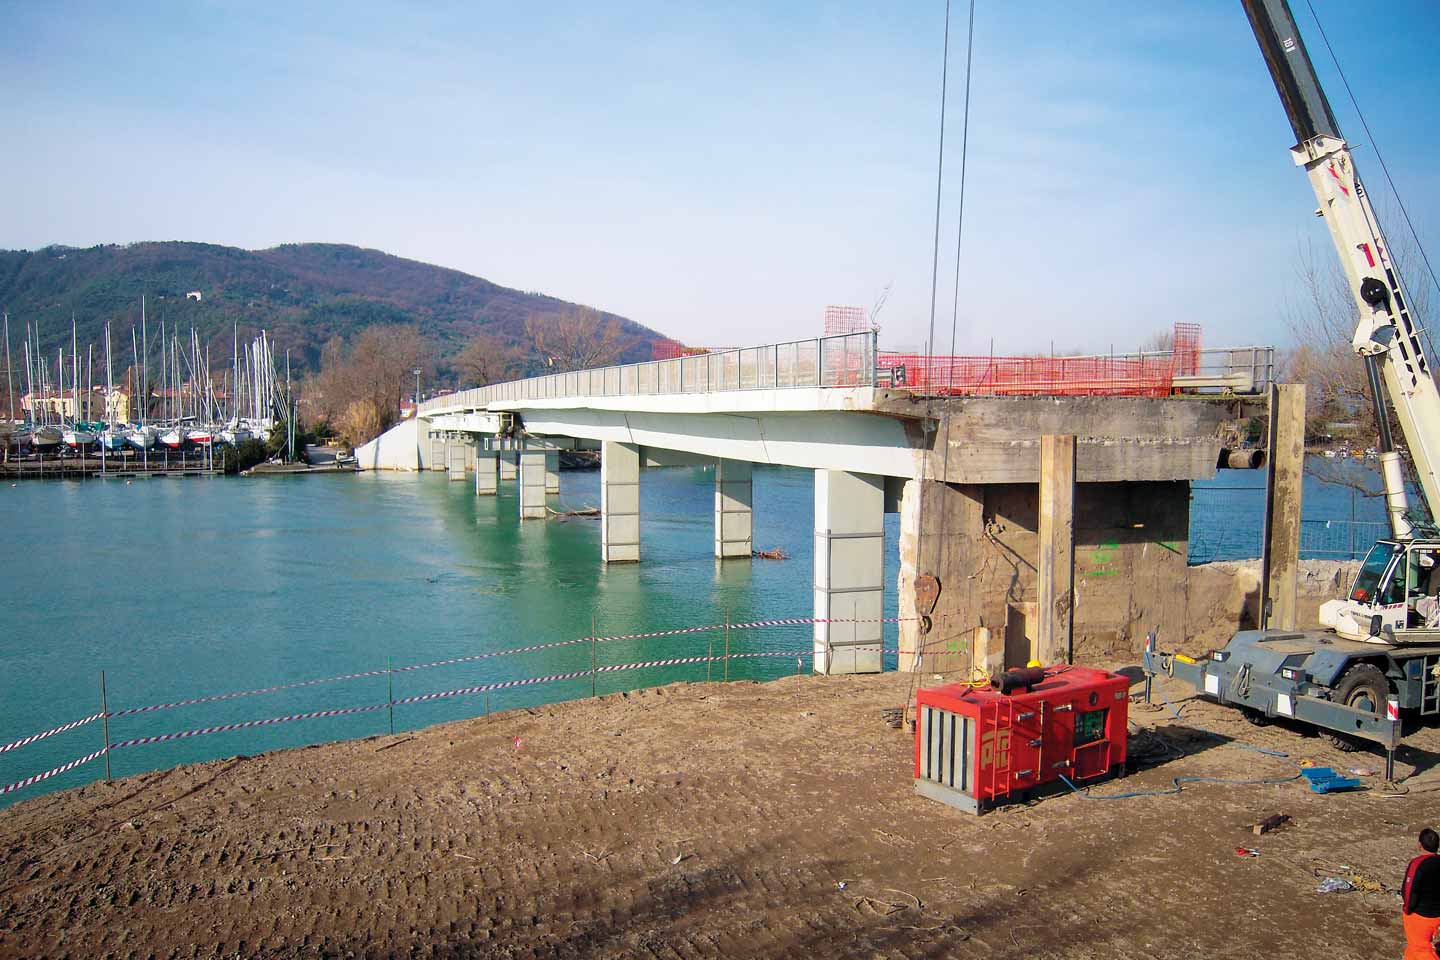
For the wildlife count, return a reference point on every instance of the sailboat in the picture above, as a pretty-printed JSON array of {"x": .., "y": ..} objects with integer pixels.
[
  {"x": 142, "y": 437},
  {"x": 174, "y": 437},
  {"x": 47, "y": 436},
  {"x": 112, "y": 437}
]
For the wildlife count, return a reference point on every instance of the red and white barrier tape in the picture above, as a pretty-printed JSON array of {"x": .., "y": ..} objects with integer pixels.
[
  {"x": 346, "y": 711},
  {"x": 244, "y": 724},
  {"x": 63, "y": 768},
  {"x": 753, "y": 624},
  {"x": 26, "y": 741}
]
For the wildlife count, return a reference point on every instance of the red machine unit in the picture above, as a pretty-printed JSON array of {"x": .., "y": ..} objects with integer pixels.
[{"x": 976, "y": 747}]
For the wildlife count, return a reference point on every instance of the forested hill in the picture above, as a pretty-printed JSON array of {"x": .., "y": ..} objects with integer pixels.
[{"x": 304, "y": 294}]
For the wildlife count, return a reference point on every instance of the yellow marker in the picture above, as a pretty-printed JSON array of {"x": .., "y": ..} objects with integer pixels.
[{"x": 1184, "y": 659}]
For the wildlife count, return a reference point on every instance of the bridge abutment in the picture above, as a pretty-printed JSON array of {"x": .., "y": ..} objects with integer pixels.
[
  {"x": 849, "y": 571},
  {"x": 734, "y": 525},
  {"x": 619, "y": 502},
  {"x": 982, "y": 542}
]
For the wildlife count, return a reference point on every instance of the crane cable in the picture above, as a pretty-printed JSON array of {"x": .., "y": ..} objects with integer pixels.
[{"x": 921, "y": 648}]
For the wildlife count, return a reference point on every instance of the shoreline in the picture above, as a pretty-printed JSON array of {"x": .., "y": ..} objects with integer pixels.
[{"x": 773, "y": 819}]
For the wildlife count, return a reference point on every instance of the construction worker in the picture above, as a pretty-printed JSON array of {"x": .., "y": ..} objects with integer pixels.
[{"x": 1420, "y": 899}]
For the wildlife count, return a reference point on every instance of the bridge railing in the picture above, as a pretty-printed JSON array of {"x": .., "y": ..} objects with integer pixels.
[
  {"x": 847, "y": 360},
  {"x": 854, "y": 360}
]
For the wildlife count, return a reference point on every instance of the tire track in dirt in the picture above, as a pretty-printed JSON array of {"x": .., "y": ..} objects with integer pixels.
[{"x": 692, "y": 821}]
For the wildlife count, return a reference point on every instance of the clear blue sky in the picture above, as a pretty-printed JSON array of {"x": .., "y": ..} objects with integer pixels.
[{"x": 721, "y": 171}]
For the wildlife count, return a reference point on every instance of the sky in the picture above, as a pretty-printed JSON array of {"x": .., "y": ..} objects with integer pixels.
[{"x": 722, "y": 172}]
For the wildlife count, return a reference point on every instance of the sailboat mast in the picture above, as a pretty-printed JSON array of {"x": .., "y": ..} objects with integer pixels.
[
  {"x": 74, "y": 368},
  {"x": 9, "y": 374},
  {"x": 144, "y": 361},
  {"x": 109, "y": 380}
]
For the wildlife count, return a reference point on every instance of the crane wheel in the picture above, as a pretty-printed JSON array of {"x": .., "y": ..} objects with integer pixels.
[{"x": 1363, "y": 687}]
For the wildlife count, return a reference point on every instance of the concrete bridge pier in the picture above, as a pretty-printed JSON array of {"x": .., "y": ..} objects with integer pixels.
[
  {"x": 455, "y": 459},
  {"x": 532, "y": 484},
  {"x": 487, "y": 470},
  {"x": 849, "y": 571},
  {"x": 619, "y": 502},
  {"x": 509, "y": 470},
  {"x": 552, "y": 472},
  {"x": 734, "y": 526}
]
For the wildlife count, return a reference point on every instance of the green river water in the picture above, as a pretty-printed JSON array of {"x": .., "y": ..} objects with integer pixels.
[{"x": 188, "y": 588}]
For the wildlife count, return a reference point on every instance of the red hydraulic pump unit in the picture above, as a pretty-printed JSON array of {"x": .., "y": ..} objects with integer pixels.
[{"x": 977, "y": 746}]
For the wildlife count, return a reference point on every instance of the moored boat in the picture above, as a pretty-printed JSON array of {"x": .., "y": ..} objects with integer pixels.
[
  {"x": 141, "y": 438},
  {"x": 46, "y": 437}
]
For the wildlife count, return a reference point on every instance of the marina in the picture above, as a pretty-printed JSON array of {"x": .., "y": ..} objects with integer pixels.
[{"x": 169, "y": 424}]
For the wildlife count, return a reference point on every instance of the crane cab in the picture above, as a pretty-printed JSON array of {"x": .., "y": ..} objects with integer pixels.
[{"x": 1394, "y": 597}]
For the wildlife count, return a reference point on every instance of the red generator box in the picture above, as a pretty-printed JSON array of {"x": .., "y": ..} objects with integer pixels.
[{"x": 976, "y": 747}]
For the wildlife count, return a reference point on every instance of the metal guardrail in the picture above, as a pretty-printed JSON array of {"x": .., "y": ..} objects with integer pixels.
[
  {"x": 842, "y": 361},
  {"x": 847, "y": 360}
]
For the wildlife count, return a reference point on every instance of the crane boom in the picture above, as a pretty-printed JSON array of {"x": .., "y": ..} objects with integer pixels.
[{"x": 1387, "y": 336}]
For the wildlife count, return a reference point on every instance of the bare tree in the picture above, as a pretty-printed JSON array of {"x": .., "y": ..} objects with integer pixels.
[
  {"x": 360, "y": 384},
  {"x": 1161, "y": 341},
  {"x": 487, "y": 359},
  {"x": 576, "y": 339}
]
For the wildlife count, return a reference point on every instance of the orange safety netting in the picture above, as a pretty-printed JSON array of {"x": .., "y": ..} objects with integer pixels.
[
  {"x": 842, "y": 320},
  {"x": 1149, "y": 375},
  {"x": 673, "y": 349}
]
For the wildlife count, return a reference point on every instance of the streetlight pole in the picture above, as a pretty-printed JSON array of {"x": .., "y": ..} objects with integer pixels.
[{"x": 419, "y": 456}]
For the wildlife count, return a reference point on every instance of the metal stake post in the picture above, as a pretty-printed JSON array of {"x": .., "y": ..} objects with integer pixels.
[
  {"x": 390, "y": 695},
  {"x": 709, "y": 656},
  {"x": 592, "y": 654},
  {"x": 727, "y": 644},
  {"x": 105, "y": 723}
]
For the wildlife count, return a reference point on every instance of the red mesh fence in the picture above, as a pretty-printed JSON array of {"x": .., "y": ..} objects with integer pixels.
[
  {"x": 673, "y": 349},
  {"x": 1130, "y": 376},
  {"x": 843, "y": 320},
  {"x": 1187, "y": 349}
]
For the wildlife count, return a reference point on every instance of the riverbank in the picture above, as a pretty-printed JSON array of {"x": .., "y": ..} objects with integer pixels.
[{"x": 744, "y": 819}]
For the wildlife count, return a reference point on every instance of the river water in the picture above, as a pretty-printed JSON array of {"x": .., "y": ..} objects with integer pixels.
[{"x": 189, "y": 588}]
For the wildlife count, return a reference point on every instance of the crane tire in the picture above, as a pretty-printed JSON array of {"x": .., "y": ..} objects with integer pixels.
[{"x": 1363, "y": 687}]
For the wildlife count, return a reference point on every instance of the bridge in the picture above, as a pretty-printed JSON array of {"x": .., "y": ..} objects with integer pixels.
[{"x": 1022, "y": 484}]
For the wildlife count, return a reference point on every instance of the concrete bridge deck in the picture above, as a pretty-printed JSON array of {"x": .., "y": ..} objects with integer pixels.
[{"x": 984, "y": 496}]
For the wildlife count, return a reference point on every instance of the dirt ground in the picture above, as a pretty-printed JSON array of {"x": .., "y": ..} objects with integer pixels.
[{"x": 772, "y": 820}]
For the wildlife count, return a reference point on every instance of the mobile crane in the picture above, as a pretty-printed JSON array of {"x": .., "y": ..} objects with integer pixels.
[{"x": 1381, "y": 653}]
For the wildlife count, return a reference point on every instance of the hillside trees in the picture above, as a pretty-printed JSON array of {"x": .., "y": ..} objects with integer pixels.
[
  {"x": 361, "y": 381},
  {"x": 487, "y": 359},
  {"x": 575, "y": 339}
]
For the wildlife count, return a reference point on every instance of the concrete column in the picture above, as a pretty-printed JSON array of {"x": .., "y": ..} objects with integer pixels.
[
  {"x": 1284, "y": 481},
  {"x": 849, "y": 570},
  {"x": 1055, "y": 566},
  {"x": 455, "y": 459},
  {"x": 733, "y": 524},
  {"x": 619, "y": 502},
  {"x": 508, "y": 470},
  {"x": 552, "y": 471},
  {"x": 532, "y": 484},
  {"x": 487, "y": 471}
]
